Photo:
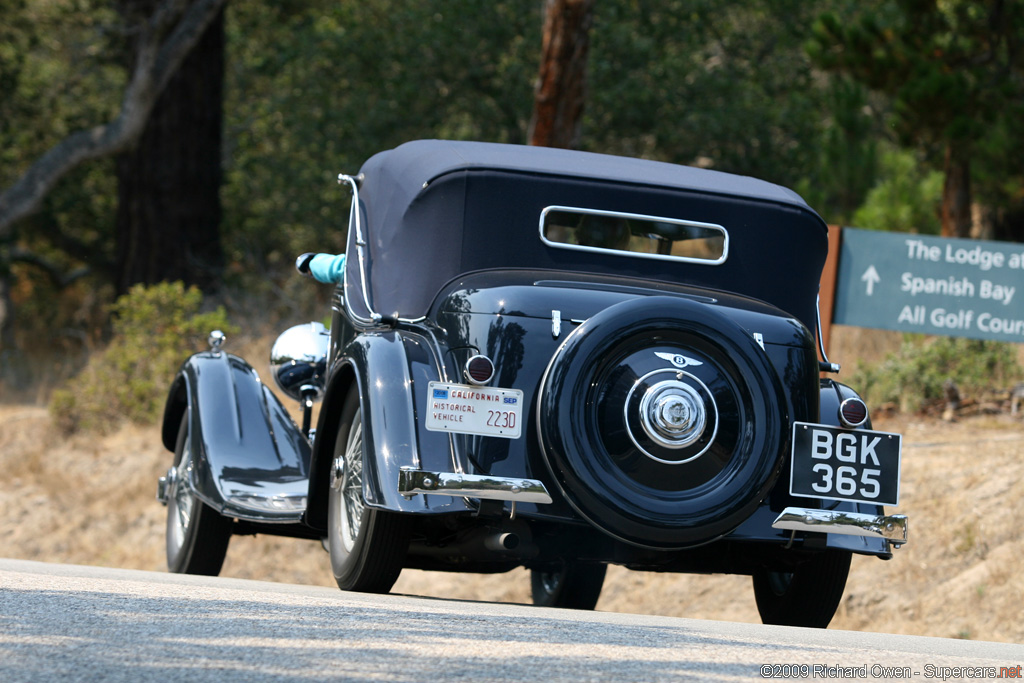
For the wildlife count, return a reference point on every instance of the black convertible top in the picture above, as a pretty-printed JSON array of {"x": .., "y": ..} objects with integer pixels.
[
  {"x": 433, "y": 209},
  {"x": 411, "y": 165}
]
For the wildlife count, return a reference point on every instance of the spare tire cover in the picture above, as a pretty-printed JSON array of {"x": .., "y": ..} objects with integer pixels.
[{"x": 662, "y": 422}]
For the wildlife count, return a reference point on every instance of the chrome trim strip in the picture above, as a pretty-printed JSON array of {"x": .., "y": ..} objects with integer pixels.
[
  {"x": 832, "y": 367},
  {"x": 289, "y": 503},
  {"x": 621, "y": 214},
  {"x": 411, "y": 482},
  {"x": 891, "y": 527},
  {"x": 353, "y": 220},
  {"x": 246, "y": 515}
]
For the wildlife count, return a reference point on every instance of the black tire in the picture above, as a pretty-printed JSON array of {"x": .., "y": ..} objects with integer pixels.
[
  {"x": 197, "y": 535},
  {"x": 806, "y": 596},
  {"x": 569, "y": 585},
  {"x": 604, "y": 459},
  {"x": 367, "y": 546}
]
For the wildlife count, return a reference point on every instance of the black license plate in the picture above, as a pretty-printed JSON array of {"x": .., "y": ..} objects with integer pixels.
[{"x": 845, "y": 464}]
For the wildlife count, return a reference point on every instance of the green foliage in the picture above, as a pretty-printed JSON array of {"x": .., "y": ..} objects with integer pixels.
[
  {"x": 998, "y": 174},
  {"x": 682, "y": 81},
  {"x": 155, "y": 329},
  {"x": 314, "y": 88},
  {"x": 847, "y": 165},
  {"x": 952, "y": 74},
  {"x": 57, "y": 76},
  {"x": 319, "y": 87},
  {"x": 949, "y": 67},
  {"x": 914, "y": 375},
  {"x": 906, "y": 199}
]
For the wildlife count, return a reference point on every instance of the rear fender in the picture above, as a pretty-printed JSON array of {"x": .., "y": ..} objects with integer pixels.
[
  {"x": 386, "y": 368},
  {"x": 250, "y": 460}
]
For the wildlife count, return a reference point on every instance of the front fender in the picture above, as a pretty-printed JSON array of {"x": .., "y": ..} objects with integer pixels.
[{"x": 250, "y": 460}]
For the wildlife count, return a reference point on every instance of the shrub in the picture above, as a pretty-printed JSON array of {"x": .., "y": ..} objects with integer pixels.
[
  {"x": 155, "y": 328},
  {"x": 914, "y": 375},
  {"x": 907, "y": 199}
]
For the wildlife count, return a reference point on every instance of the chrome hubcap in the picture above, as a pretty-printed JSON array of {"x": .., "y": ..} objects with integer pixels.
[
  {"x": 672, "y": 414},
  {"x": 338, "y": 473}
]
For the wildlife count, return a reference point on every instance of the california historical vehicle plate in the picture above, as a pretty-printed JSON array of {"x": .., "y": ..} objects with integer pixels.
[
  {"x": 467, "y": 409},
  {"x": 844, "y": 464}
]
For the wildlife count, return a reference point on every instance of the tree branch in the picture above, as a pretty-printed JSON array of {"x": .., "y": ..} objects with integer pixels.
[
  {"x": 166, "y": 39},
  {"x": 57, "y": 275}
]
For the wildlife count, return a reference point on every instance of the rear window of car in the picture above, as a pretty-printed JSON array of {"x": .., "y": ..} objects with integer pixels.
[{"x": 634, "y": 234}]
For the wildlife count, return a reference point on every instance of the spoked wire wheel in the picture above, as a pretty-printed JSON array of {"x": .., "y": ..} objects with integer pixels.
[
  {"x": 347, "y": 475},
  {"x": 367, "y": 545},
  {"x": 197, "y": 536}
]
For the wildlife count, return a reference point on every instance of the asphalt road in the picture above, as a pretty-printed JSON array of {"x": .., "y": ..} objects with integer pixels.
[{"x": 73, "y": 623}]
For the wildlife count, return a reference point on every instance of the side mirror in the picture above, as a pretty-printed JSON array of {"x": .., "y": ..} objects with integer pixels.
[
  {"x": 298, "y": 361},
  {"x": 302, "y": 263}
]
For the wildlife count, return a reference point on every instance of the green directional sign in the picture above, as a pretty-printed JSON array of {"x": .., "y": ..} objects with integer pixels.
[{"x": 934, "y": 285}]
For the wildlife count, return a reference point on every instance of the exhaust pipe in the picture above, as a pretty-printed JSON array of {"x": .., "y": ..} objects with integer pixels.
[{"x": 502, "y": 541}]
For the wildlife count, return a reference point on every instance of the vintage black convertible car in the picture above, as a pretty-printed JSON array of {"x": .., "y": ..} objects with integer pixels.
[{"x": 550, "y": 359}]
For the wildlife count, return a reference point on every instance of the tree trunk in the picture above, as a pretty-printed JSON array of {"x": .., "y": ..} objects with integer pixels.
[
  {"x": 561, "y": 86},
  {"x": 169, "y": 211},
  {"x": 956, "y": 192}
]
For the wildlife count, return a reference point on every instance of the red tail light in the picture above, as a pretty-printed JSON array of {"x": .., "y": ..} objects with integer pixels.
[
  {"x": 853, "y": 412},
  {"x": 479, "y": 369}
]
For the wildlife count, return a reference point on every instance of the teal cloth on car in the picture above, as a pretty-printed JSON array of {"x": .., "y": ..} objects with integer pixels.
[{"x": 329, "y": 268}]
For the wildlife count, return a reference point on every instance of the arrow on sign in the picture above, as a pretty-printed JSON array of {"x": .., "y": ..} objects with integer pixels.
[{"x": 871, "y": 277}]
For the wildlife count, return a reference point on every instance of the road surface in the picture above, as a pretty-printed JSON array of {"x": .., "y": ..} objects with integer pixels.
[{"x": 74, "y": 623}]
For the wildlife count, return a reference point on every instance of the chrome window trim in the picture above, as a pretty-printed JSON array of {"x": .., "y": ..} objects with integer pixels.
[
  {"x": 829, "y": 366},
  {"x": 638, "y": 216}
]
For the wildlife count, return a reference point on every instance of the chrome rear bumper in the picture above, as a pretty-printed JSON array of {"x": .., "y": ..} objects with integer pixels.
[
  {"x": 890, "y": 527},
  {"x": 411, "y": 482}
]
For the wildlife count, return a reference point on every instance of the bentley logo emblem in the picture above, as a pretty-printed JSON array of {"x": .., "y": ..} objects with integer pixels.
[{"x": 678, "y": 360}]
